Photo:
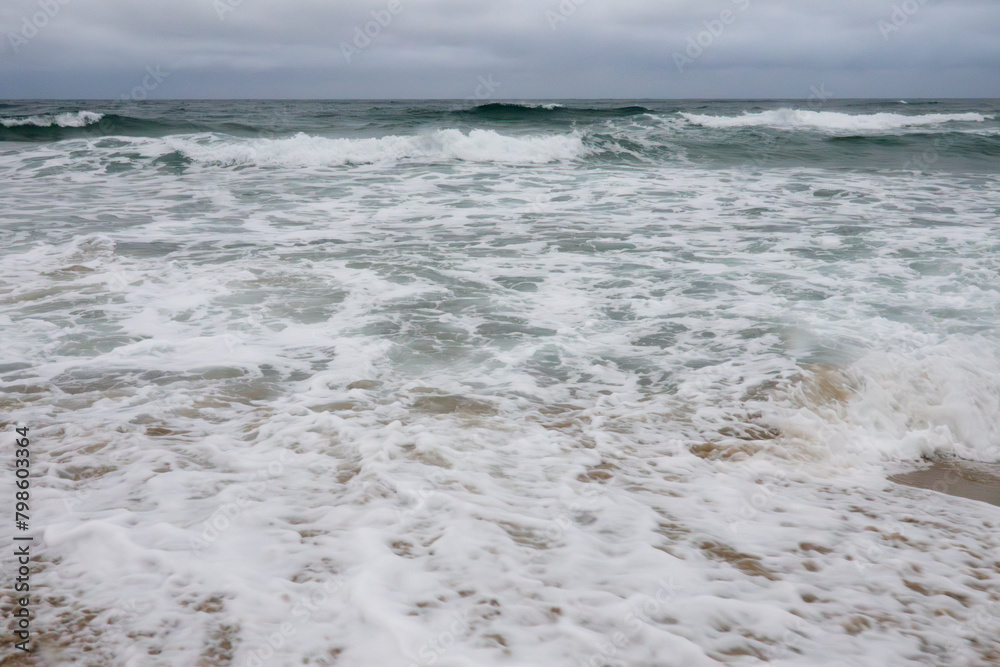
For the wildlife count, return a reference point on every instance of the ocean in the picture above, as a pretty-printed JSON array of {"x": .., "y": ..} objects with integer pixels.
[{"x": 475, "y": 383}]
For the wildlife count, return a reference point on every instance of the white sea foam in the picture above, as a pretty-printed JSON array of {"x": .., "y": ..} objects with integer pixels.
[
  {"x": 936, "y": 400},
  {"x": 832, "y": 120},
  {"x": 68, "y": 119},
  {"x": 450, "y": 144},
  {"x": 462, "y": 414}
]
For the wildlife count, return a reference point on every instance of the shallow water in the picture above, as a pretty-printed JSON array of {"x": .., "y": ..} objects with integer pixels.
[{"x": 427, "y": 383}]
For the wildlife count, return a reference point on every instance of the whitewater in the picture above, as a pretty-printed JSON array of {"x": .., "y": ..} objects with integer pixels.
[{"x": 559, "y": 382}]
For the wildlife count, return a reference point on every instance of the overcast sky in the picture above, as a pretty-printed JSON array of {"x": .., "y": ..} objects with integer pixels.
[{"x": 502, "y": 49}]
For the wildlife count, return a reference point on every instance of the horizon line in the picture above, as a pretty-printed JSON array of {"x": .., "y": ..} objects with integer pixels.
[{"x": 894, "y": 98}]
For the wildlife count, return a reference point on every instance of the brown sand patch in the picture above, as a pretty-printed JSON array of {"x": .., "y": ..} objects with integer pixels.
[
  {"x": 451, "y": 404},
  {"x": 966, "y": 479},
  {"x": 600, "y": 473},
  {"x": 746, "y": 563},
  {"x": 367, "y": 385},
  {"x": 825, "y": 384},
  {"x": 714, "y": 451}
]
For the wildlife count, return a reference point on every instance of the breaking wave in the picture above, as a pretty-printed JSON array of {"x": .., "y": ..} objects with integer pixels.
[
  {"x": 793, "y": 119},
  {"x": 69, "y": 119},
  {"x": 449, "y": 144}
]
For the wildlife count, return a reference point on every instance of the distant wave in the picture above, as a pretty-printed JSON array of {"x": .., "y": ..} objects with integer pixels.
[
  {"x": 305, "y": 150},
  {"x": 555, "y": 134},
  {"x": 68, "y": 119},
  {"x": 89, "y": 124},
  {"x": 523, "y": 111},
  {"x": 831, "y": 120}
]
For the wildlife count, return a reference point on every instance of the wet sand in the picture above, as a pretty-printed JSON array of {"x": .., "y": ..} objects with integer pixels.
[{"x": 968, "y": 479}]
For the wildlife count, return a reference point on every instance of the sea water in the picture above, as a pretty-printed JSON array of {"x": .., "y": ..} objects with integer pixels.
[{"x": 463, "y": 383}]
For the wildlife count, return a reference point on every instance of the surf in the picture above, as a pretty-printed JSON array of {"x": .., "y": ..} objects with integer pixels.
[{"x": 834, "y": 121}]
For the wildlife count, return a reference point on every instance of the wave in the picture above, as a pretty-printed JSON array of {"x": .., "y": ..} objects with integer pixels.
[
  {"x": 68, "y": 119},
  {"x": 938, "y": 400},
  {"x": 303, "y": 150},
  {"x": 89, "y": 125},
  {"x": 523, "y": 111},
  {"x": 831, "y": 120},
  {"x": 49, "y": 127}
]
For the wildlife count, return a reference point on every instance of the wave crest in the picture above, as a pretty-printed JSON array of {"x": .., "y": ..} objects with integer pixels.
[
  {"x": 68, "y": 119},
  {"x": 524, "y": 111},
  {"x": 831, "y": 120},
  {"x": 450, "y": 144}
]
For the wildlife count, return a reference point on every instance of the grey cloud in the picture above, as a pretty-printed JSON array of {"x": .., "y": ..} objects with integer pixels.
[{"x": 538, "y": 48}]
